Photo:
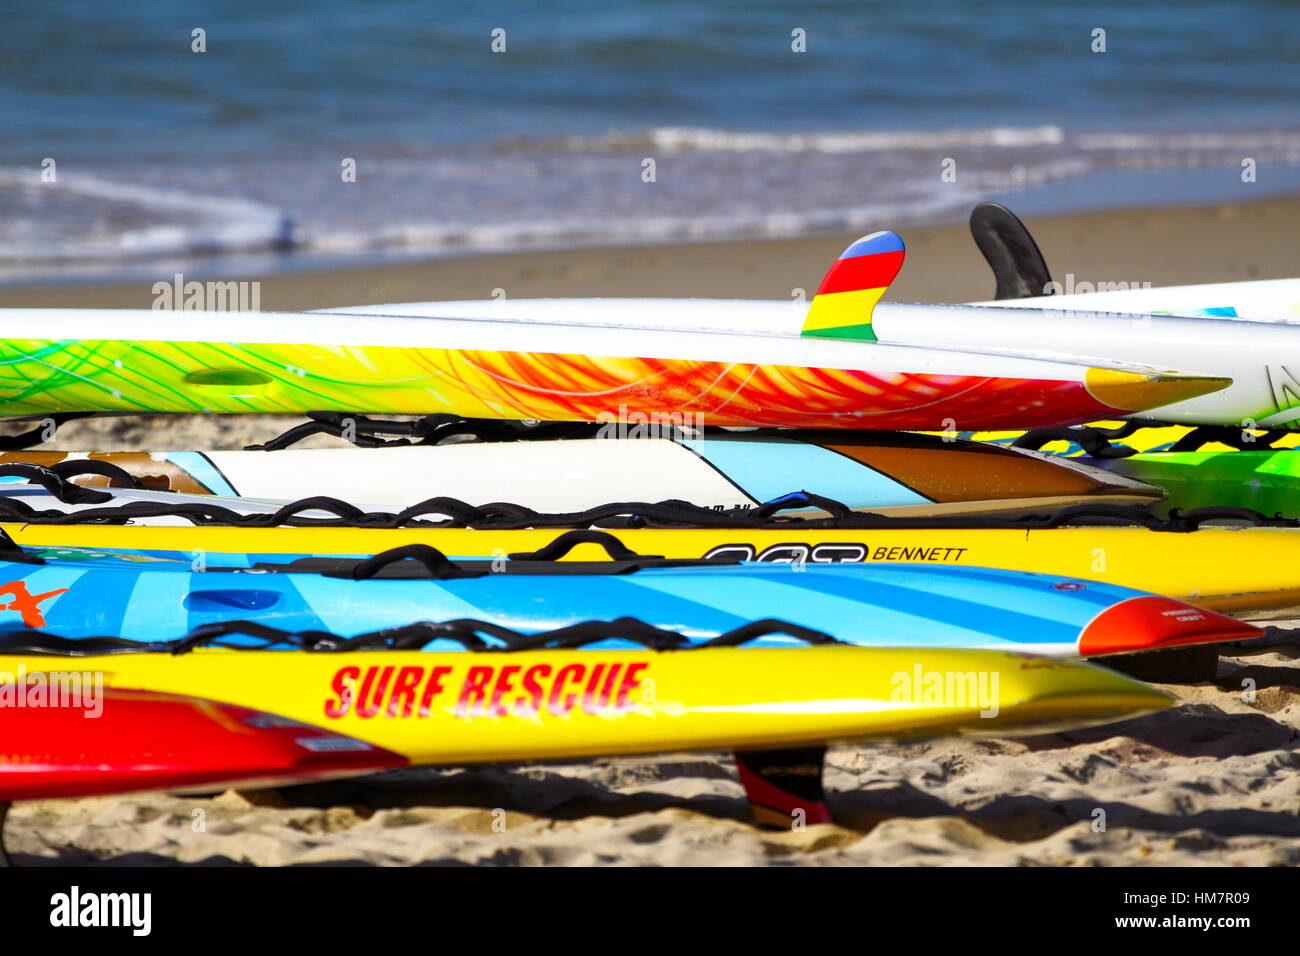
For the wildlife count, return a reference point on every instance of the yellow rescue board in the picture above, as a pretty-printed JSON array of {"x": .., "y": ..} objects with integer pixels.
[
  {"x": 1230, "y": 570},
  {"x": 455, "y": 708}
]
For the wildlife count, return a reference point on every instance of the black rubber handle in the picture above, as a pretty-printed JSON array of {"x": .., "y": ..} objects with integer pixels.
[
  {"x": 566, "y": 542},
  {"x": 435, "y": 562},
  {"x": 55, "y": 484},
  {"x": 93, "y": 466}
]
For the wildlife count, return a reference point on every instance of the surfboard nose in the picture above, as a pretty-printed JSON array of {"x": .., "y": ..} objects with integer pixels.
[
  {"x": 1139, "y": 391},
  {"x": 1151, "y": 623},
  {"x": 1036, "y": 695}
]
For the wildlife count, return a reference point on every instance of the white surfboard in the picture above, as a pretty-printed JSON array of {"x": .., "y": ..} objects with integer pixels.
[
  {"x": 1249, "y": 332},
  {"x": 902, "y": 474},
  {"x": 823, "y": 370},
  {"x": 82, "y": 360},
  {"x": 1265, "y": 300},
  {"x": 1261, "y": 357}
]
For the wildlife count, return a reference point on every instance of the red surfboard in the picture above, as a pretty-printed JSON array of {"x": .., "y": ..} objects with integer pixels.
[{"x": 141, "y": 740}]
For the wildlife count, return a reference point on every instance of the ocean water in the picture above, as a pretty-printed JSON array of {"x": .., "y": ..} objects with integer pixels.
[{"x": 166, "y": 158}]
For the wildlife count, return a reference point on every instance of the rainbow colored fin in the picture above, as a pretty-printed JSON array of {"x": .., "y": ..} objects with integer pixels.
[{"x": 844, "y": 301}]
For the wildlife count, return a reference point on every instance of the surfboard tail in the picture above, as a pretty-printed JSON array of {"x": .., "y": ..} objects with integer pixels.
[{"x": 848, "y": 294}]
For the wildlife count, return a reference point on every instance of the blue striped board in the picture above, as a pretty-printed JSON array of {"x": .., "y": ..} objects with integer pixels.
[{"x": 156, "y": 596}]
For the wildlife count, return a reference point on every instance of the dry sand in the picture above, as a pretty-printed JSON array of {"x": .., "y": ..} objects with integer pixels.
[{"x": 1210, "y": 782}]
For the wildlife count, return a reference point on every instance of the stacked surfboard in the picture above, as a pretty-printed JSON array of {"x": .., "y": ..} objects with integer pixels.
[{"x": 609, "y": 527}]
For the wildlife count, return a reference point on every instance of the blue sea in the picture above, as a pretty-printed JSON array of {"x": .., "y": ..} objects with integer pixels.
[{"x": 165, "y": 158}]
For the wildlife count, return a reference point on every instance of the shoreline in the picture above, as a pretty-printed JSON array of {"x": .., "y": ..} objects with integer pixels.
[{"x": 1160, "y": 245}]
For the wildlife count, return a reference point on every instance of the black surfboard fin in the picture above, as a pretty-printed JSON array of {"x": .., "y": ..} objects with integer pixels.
[
  {"x": 1009, "y": 249},
  {"x": 785, "y": 786}
]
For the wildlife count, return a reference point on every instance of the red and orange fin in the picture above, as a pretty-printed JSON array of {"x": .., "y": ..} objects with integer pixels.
[{"x": 784, "y": 786}]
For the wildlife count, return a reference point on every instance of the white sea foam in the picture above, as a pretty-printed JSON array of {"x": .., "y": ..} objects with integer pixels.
[{"x": 570, "y": 191}]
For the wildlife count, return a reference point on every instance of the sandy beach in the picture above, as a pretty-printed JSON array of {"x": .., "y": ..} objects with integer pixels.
[{"x": 1210, "y": 782}]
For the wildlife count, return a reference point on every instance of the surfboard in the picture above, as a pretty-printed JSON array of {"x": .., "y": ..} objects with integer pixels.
[
  {"x": 62, "y": 734},
  {"x": 1242, "y": 571},
  {"x": 897, "y": 474},
  {"x": 1258, "y": 356},
  {"x": 1249, "y": 333},
  {"x": 1264, "y": 300},
  {"x": 1108, "y": 439},
  {"x": 1261, "y": 358},
  {"x": 1024, "y": 281},
  {"x": 1266, "y": 481},
  {"x": 463, "y": 708},
  {"x": 360, "y": 711},
  {"x": 1118, "y": 439},
  {"x": 825, "y": 372},
  {"x": 155, "y": 595},
  {"x": 1205, "y": 467}
]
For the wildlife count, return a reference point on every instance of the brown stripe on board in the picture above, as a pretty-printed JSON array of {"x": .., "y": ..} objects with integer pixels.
[
  {"x": 966, "y": 471},
  {"x": 159, "y": 475},
  {"x": 42, "y": 458}
]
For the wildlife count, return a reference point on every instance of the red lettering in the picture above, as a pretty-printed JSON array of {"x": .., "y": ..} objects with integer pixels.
[
  {"x": 532, "y": 705},
  {"x": 344, "y": 686},
  {"x": 408, "y": 679},
  {"x": 433, "y": 688},
  {"x": 503, "y": 685},
  {"x": 631, "y": 678},
  {"x": 592, "y": 681},
  {"x": 368, "y": 703},
  {"x": 592, "y": 707},
  {"x": 568, "y": 672},
  {"x": 475, "y": 689}
]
